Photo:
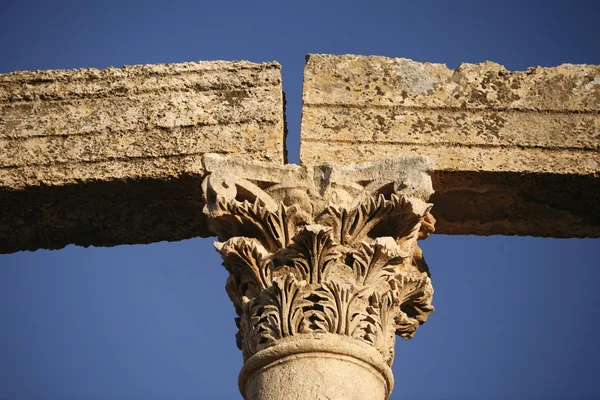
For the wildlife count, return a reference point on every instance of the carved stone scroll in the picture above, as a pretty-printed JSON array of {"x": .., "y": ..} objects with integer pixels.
[{"x": 323, "y": 250}]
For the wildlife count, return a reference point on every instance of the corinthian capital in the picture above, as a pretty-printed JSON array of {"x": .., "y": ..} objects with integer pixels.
[{"x": 323, "y": 250}]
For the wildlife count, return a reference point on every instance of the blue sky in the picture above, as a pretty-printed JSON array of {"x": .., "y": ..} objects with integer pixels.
[{"x": 516, "y": 317}]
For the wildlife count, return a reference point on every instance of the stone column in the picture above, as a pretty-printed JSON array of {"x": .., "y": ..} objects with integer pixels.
[{"x": 324, "y": 271}]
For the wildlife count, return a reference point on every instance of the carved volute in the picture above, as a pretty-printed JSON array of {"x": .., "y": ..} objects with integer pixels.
[{"x": 323, "y": 250}]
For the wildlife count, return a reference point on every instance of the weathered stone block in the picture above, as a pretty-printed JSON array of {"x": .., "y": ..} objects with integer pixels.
[
  {"x": 515, "y": 152},
  {"x": 102, "y": 157}
]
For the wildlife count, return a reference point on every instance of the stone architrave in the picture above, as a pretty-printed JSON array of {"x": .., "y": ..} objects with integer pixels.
[
  {"x": 515, "y": 151},
  {"x": 324, "y": 270},
  {"x": 114, "y": 156}
]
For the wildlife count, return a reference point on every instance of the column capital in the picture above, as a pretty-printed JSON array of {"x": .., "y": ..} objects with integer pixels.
[{"x": 315, "y": 251}]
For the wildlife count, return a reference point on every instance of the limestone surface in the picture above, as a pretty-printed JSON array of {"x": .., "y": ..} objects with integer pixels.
[
  {"x": 113, "y": 156},
  {"x": 514, "y": 151}
]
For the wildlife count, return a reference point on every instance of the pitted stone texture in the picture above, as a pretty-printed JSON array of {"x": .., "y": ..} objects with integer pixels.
[
  {"x": 113, "y": 156},
  {"x": 513, "y": 150}
]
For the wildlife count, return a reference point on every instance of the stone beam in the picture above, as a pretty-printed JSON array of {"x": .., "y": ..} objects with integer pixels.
[
  {"x": 516, "y": 153},
  {"x": 104, "y": 157},
  {"x": 324, "y": 270}
]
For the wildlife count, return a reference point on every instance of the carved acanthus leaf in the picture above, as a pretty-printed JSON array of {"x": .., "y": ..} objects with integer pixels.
[
  {"x": 415, "y": 293},
  {"x": 353, "y": 226},
  {"x": 376, "y": 323},
  {"x": 377, "y": 261},
  {"x": 248, "y": 260},
  {"x": 273, "y": 229},
  {"x": 311, "y": 253}
]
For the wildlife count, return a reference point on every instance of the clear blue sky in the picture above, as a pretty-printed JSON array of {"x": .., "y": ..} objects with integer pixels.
[{"x": 516, "y": 318}]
